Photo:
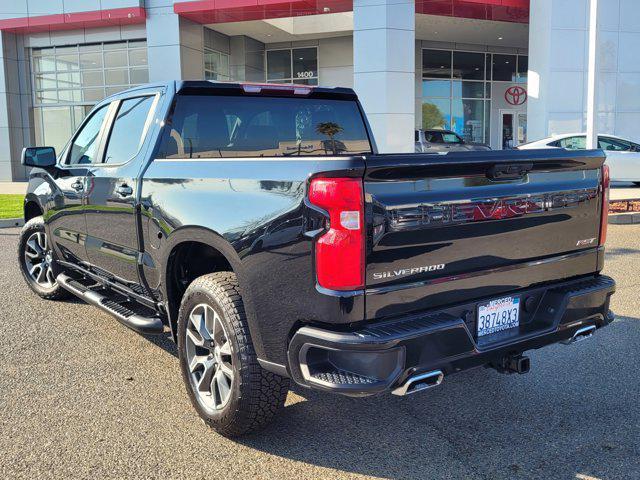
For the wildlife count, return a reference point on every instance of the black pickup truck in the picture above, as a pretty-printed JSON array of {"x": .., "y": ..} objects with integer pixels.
[{"x": 258, "y": 226}]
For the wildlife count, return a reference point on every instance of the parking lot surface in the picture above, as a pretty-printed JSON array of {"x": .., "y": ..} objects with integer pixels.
[{"x": 81, "y": 396}]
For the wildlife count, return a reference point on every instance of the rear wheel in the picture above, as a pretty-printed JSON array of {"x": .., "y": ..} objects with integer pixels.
[
  {"x": 35, "y": 259},
  {"x": 227, "y": 386}
]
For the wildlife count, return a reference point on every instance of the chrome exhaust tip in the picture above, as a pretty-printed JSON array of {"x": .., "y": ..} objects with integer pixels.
[
  {"x": 419, "y": 383},
  {"x": 581, "y": 334}
]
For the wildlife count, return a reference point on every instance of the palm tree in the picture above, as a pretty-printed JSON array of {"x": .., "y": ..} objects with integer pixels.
[{"x": 330, "y": 129}]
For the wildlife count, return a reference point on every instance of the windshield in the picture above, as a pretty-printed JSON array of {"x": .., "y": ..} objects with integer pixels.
[
  {"x": 451, "y": 138},
  {"x": 205, "y": 126}
]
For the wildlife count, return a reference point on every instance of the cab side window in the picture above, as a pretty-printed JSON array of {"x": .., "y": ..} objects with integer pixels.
[
  {"x": 451, "y": 138},
  {"x": 84, "y": 149},
  {"x": 126, "y": 135},
  {"x": 613, "y": 145},
  {"x": 433, "y": 137},
  {"x": 573, "y": 143}
]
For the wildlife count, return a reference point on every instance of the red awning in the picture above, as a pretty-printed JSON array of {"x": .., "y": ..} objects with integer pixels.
[
  {"x": 225, "y": 11},
  {"x": 72, "y": 21}
]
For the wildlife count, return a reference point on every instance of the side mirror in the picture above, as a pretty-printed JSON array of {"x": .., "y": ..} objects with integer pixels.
[{"x": 42, "y": 157}]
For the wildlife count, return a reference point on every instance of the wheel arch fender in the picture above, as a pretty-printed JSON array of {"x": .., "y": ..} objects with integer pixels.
[
  {"x": 211, "y": 238},
  {"x": 31, "y": 206}
]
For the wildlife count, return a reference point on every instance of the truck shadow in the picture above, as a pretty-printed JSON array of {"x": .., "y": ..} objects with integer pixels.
[
  {"x": 620, "y": 252},
  {"x": 575, "y": 413}
]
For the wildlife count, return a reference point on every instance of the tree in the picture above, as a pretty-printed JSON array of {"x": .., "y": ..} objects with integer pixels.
[
  {"x": 432, "y": 116},
  {"x": 330, "y": 129}
]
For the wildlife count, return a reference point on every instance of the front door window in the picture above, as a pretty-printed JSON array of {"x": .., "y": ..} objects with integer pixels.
[
  {"x": 513, "y": 126},
  {"x": 522, "y": 128},
  {"x": 84, "y": 149}
]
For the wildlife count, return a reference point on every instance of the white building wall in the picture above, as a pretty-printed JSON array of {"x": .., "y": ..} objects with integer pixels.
[
  {"x": 175, "y": 44},
  {"x": 558, "y": 45},
  {"x": 335, "y": 62},
  {"x": 384, "y": 69}
]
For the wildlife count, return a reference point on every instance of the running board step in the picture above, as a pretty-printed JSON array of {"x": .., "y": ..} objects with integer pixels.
[{"x": 136, "y": 322}]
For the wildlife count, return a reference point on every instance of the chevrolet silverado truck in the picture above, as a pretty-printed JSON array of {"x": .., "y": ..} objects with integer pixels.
[{"x": 258, "y": 226}]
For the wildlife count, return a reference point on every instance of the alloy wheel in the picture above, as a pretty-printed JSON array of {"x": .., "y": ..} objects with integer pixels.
[
  {"x": 38, "y": 259},
  {"x": 209, "y": 357}
]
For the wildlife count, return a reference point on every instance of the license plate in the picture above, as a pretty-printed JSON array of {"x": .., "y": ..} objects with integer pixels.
[{"x": 498, "y": 315}]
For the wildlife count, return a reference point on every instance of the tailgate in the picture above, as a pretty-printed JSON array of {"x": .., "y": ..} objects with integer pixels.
[{"x": 444, "y": 229}]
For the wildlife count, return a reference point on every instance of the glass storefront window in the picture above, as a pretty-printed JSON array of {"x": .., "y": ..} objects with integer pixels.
[
  {"x": 436, "y": 113},
  {"x": 66, "y": 63},
  {"x": 467, "y": 119},
  {"x": 69, "y": 96},
  {"x": 56, "y": 127},
  {"x": 296, "y": 65},
  {"x": 92, "y": 78},
  {"x": 523, "y": 68},
  {"x": 487, "y": 122},
  {"x": 278, "y": 65},
  {"x": 468, "y": 89},
  {"x": 139, "y": 75},
  {"x": 216, "y": 65},
  {"x": 115, "y": 59},
  {"x": 138, "y": 57},
  {"x": 436, "y": 63},
  {"x": 93, "y": 95},
  {"x": 456, "y": 89},
  {"x": 436, "y": 88},
  {"x": 68, "y": 81},
  {"x": 456, "y": 93},
  {"x": 305, "y": 64},
  {"x": 45, "y": 81},
  {"x": 504, "y": 68},
  {"x": 116, "y": 77},
  {"x": 91, "y": 60},
  {"x": 468, "y": 65}
]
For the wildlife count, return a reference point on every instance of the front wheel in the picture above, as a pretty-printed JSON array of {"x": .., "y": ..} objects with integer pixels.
[
  {"x": 227, "y": 386},
  {"x": 35, "y": 260}
]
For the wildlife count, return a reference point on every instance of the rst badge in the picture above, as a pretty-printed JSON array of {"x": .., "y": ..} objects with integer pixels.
[{"x": 586, "y": 242}]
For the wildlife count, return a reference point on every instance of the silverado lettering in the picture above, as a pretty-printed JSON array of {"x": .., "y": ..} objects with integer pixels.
[{"x": 408, "y": 271}]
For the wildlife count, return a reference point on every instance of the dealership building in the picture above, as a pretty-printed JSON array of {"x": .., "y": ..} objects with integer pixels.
[{"x": 500, "y": 72}]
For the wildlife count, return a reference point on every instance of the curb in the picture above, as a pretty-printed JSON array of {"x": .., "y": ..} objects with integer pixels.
[
  {"x": 11, "y": 222},
  {"x": 627, "y": 218}
]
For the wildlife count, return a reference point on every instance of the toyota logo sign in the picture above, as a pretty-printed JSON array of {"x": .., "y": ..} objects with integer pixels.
[{"x": 515, "y": 95}]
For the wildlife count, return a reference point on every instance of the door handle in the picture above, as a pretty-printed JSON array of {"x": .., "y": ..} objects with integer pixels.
[
  {"x": 124, "y": 190},
  {"x": 77, "y": 186}
]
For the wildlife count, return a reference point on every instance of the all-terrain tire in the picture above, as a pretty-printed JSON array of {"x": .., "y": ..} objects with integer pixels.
[
  {"x": 32, "y": 231},
  {"x": 256, "y": 395}
]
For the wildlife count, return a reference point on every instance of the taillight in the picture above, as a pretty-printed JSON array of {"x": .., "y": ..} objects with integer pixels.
[
  {"x": 340, "y": 250},
  {"x": 606, "y": 180}
]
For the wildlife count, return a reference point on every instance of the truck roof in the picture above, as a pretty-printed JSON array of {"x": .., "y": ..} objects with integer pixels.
[
  {"x": 195, "y": 87},
  {"x": 212, "y": 87}
]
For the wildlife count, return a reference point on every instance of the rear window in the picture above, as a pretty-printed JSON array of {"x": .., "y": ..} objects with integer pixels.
[{"x": 204, "y": 126}]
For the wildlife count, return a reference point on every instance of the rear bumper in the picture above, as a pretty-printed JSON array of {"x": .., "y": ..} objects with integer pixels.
[{"x": 382, "y": 356}]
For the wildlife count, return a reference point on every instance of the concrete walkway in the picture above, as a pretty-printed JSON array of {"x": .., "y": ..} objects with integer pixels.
[
  {"x": 13, "y": 187},
  {"x": 623, "y": 192}
]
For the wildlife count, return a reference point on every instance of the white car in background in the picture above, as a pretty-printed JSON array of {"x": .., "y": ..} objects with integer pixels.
[{"x": 623, "y": 156}]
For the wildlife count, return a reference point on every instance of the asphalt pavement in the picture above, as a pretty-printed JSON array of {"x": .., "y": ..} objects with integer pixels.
[{"x": 81, "y": 396}]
